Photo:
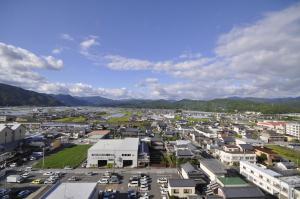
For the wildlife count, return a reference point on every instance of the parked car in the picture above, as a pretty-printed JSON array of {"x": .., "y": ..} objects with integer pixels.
[
  {"x": 23, "y": 194},
  {"x": 14, "y": 179},
  {"x": 103, "y": 181},
  {"x": 162, "y": 180},
  {"x": 68, "y": 168},
  {"x": 37, "y": 181},
  {"x": 132, "y": 194},
  {"x": 13, "y": 165},
  {"x": 49, "y": 181},
  {"x": 49, "y": 173},
  {"x": 114, "y": 180},
  {"x": 4, "y": 192},
  {"x": 133, "y": 184},
  {"x": 74, "y": 178}
]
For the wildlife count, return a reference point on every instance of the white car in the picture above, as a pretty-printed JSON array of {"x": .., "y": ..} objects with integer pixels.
[
  {"x": 144, "y": 188},
  {"x": 49, "y": 173},
  {"x": 162, "y": 180},
  {"x": 25, "y": 175},
  {"x": 163, "y": 192},
  {"x": 103, "y": 181},
  {"x": 50, "y": 181},
  {"x": 13, "y": 164},
  {"x": 133, "y": 184}
]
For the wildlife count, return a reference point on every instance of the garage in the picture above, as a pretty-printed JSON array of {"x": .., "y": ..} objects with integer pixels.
[
  {"x": 102, "y": 163},
  {"x": 127, "y": 163}
]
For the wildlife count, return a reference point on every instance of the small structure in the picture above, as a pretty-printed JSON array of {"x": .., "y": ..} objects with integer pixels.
[{"x": 181, "y": 188}]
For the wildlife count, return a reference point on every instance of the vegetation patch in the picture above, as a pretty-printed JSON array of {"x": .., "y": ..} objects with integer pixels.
[
  {"x": 72, "y": 157},
  {"x": 287, "y": 153},
  {"x": 79, "y": 119}
]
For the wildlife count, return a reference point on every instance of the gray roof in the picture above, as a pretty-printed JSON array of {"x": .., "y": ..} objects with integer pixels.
[
  {"x": 246, "y": 146},
  {"x": 116, "y": 144},
  {"x": 214, "y": 166},
  {"x": 182, "y": 183},
  {"x": 188, "y": 167},
  {"x": 184, "y": 152},
  {"x": 242, "y": 192}
]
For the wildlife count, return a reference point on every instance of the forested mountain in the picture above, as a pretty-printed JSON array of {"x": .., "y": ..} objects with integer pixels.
[{"x": 14, "y": 96}]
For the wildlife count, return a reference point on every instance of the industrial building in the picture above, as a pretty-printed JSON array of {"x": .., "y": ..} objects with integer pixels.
[{"x": 115, "y": 152}]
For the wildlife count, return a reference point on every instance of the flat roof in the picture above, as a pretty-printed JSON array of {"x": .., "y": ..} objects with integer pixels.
[
  {"x": 72, "y": 190},
  {"x": 214, "y": 166},
  {"x": 130, "y": 144},
  {"x": 242, "y": 192},
  {"x": 291, "y": 180},
  {"x": 232, "y": 181},
  {"x": 261, "y": 169}
]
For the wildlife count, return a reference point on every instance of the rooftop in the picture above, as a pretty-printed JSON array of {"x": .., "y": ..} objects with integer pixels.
[
  {"x": 232, "y": 181},
  {"x": 116, "y": 144},
  {"x": 242, "y": 192},
  {"x": 72, "y": 190},
  {"x": 213, "y": 165},
  {"x": 182, "y": 183},
  {"x": 261, "y": 169}
]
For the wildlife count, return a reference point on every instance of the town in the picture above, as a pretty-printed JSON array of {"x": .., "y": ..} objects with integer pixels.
[{"x": 97, "y": 152}]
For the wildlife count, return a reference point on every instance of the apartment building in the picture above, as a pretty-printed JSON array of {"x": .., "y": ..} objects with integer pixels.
[
  {"x": 233, "y": 154},
  {"x": 284, "y": 187},
  {"x": 293, "y": 129}
]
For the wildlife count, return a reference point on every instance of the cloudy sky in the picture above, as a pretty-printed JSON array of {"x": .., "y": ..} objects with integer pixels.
[{"x": 152, "y": 49}]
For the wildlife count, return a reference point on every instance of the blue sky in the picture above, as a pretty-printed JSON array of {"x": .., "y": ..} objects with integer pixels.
[{"x": 151, "y": 49}]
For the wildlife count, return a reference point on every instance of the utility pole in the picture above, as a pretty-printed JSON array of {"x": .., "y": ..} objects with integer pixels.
[{"x": 43, "y": 157}]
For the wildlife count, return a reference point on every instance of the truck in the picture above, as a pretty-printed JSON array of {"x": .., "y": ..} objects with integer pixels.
[{"x": 14, "y": 179}]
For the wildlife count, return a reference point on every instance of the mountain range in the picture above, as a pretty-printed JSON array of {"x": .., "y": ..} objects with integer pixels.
[{"x": 15, "y": 96}]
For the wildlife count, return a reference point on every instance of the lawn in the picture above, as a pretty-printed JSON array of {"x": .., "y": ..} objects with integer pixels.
[
  {"x": 79, "y": 119},
  {"x": 72, "y": 156},
  {"x": 287, "y": 153}
]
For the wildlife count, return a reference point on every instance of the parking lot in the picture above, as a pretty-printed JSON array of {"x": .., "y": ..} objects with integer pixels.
[{"x": 121, "y": 188}]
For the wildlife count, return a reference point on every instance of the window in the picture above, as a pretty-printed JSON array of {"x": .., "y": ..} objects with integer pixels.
[
  {"x": 175, "y": 191},
  {"x": 252, "y": 172},
  {"x": 126, "y": 154},
  {"x": 187, "y": 191}
]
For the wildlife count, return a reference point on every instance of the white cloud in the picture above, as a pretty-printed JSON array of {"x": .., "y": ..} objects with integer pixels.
[
  {"x": 260, "y": 59},
  {"x": 57, "y": 50},
  {"x": 66, "y": 36}
]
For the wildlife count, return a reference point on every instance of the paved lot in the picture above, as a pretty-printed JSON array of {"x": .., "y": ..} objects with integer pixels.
[{"x": 122, "y": 188}]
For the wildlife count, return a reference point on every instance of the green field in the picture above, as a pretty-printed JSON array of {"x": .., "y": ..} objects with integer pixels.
[
  {"x": 72, "y": 156},
  {"x": 287, "y": 153},
  {"x": 79, "y": 119}
]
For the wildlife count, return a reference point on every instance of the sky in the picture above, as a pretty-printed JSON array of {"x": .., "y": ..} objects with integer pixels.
[{"x": 169, "y": 49}]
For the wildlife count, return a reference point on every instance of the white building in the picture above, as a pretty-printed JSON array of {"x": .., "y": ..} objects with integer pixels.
[
  {"x": 233, "y": 155},
  {"x": 271, "y": 181},
  {"x": 73, "y": 190},
  {"x": 212, "y": 168},
  {"x": 293, "y": 129},
  {"x": 117, "y": 152},
  {"x": 11, "y": 132},
  {"x": 181, "y": 188}
]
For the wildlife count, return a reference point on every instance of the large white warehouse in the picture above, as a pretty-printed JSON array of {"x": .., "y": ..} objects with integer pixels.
[{"x": 117, "y": 152}]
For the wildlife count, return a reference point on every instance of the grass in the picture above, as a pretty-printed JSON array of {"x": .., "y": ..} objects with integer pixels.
[
  {"x": 120, "y": 120},
  {"x": 287, "y": 153},
  {"x": 79, "y": 119},
  {"x": 72, "y": 156}
]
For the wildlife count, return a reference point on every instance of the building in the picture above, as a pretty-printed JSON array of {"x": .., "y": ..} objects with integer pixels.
[
  {"x": 181, "y": 188},
  {"x": 271, "y": 136},
  {"x": 293, "y": 129},
  {"x": 279, "y": 127},
  {"x": 268, "y": 153},
  {"x": 270, "y": 181},
  {"x": 11, "y": 132},
  {"x": 212, "y": 168},
  {"x": 189, "y": 171},
  {"x": 249, "y": 192},
  {"x": 72, "y": 190},
  {"x": 232, "y": 154},
  {"x": 116, "y": 152}
]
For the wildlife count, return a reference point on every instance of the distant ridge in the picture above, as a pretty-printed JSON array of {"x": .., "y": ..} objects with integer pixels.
[{"x": 15, "y": 96}]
